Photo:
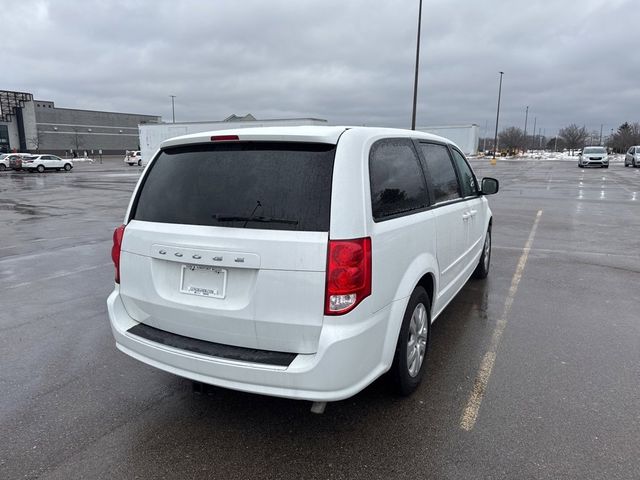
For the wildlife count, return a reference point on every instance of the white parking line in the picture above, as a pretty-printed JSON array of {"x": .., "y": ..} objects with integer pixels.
[
  {"x": 58, "y": 275},
  {"x": 470, "y": 413}
]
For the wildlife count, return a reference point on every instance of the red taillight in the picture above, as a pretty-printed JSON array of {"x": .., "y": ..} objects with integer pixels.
[
  {"x": 224, "y": 138},
  {"x": 348, "y": 275},
  {"x": 115, "y": 250}
]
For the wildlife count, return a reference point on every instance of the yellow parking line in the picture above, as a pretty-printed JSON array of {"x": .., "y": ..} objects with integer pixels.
[{"x": 470, "y": 413}]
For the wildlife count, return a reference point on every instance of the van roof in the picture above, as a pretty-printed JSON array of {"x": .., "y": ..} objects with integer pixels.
[{"x": 308, "y": 133}]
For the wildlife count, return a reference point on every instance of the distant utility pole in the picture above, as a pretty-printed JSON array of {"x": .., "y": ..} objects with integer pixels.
[
  {"x": 173, "y": 108},
  {"x": 555, "y": 145},
  {"x": 535, "y": 120},
  {"x": 415, "y": 82},
  {"x": 526, "y": 117},
  {"x": 495, "y": 138},
  {"x": 601, "y": 125}
]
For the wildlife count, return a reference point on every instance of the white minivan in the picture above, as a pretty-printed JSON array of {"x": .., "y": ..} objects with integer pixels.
[{"x": 300, "y": 262}]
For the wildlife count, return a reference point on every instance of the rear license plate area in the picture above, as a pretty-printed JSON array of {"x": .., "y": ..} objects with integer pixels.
[{"x": 203, "y": 281}]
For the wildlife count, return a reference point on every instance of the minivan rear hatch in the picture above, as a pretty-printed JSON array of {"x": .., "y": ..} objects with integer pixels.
[{"x": 226, "y": 242}]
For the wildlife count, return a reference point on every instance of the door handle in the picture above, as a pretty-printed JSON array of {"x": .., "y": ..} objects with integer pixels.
[
  {"x": 472, "y": 213},
  {"x": 466, "y": 215}
]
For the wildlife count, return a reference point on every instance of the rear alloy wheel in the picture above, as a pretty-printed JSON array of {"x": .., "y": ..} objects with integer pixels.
[
  {"x": 139, "y": 163},
  {"x": 2, "y": 167},
  {"x": 482, "y": 270},
  {"x": 40, "y": 168},
  {"x": 67, "y": 167},
  {"x": 413, "y": 341}
]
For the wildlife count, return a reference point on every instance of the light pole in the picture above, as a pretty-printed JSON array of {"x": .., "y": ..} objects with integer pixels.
[
  {"x": 415, "y": 82},
  {"x": 535, "y": 121},
  {"x": 601, "y": 125},
  {"x": 495, "y": 138},
  {"x": 173, "y": 108},
  {"x": 526, "y": 117}
]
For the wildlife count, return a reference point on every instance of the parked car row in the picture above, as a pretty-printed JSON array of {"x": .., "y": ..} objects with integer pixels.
[
  {"x": 33, "y": 163},
  {"x": 599, "y": 157}
]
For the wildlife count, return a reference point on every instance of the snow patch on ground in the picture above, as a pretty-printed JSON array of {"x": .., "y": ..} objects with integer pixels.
[{"x": 555, "y": 156}]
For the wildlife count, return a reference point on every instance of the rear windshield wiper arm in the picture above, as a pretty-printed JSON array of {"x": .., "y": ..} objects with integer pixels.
[{"x": 232, "y": 218}]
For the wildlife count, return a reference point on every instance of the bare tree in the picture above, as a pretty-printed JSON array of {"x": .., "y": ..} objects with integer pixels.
[
  {"x": 556, "y": 144},
  {"x": 574, "y": 136},
  {"x": 511, "y": 138},
  {"x": 77, "y": 140},
  {"x": 34, "y": 142}
]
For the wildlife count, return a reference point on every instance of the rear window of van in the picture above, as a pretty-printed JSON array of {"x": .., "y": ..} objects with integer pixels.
[{"x": 260, "y": 185}]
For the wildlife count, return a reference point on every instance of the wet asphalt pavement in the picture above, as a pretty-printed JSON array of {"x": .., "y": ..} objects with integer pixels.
[{"x": 562, "y": 399}]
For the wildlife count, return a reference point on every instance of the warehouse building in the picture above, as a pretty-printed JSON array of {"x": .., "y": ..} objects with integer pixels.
[{"x": 33, "y": 125}]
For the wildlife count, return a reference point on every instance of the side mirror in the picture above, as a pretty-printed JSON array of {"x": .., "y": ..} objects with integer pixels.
[{"x": 489, "y": 186}]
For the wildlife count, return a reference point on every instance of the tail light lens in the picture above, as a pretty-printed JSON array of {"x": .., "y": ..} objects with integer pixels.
[
  {"x": 348, "y": 275},
  {"x": 115, "y": 250}
]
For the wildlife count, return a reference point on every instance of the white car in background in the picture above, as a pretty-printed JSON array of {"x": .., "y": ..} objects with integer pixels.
[
  {"x": 632, "y": 158},
  {"x": 593, "y": 157},
  {"x": 133, "y": 157},
  {"x": 300, "y": 262},
  {"x": 40, "y": 163},
  {"x": 4, "y": 162}
]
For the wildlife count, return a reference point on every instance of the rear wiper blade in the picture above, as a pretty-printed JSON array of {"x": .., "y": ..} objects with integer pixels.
[{"x": 231, "y": 218}]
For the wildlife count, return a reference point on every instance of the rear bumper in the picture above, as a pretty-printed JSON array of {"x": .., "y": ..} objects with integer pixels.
[{"x": 352, "y": 352}]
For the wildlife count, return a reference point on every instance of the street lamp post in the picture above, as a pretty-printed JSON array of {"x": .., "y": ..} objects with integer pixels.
[
  {"x": 495, "y": 138},
  {"x": 173, "y": 108},
  {"x": 415, "y": 81},
  {"x": 526, "y": 117}
]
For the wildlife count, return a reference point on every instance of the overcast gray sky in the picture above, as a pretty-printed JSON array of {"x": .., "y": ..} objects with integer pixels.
[{"x": 348, "y": 61}]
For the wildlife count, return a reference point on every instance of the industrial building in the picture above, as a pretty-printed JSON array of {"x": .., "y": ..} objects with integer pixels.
[{"x": 29, "y": 125}]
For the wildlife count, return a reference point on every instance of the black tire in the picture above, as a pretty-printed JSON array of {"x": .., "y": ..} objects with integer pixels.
[
  {"x": 2, "y": 167},
  {"x": 40, "y": 168},
  {"x": 405, "y": 382},
  {"x": 67, "y": 167},
  {"x": 482, "y": 270},
  {"x": 139, "y": 163}
]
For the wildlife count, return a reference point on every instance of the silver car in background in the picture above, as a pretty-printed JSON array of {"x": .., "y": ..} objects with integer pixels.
[
  {"x": 632, "y": 158},
  {"x": 593, "y": 157}
]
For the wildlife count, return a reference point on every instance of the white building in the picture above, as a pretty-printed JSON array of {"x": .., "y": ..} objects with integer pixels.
[
  {"x": 152, "y": 135},
  {"x": 465, "y": 136}
]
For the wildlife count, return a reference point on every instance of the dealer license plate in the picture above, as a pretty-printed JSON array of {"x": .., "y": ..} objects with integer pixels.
[{"x": 203, "y": 281}]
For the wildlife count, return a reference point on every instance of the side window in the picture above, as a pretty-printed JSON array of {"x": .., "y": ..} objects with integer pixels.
[
  {"x": 396, "y": 178},
  {"x": 441, "y": 171},
  {"x": 467, "y": 179}
]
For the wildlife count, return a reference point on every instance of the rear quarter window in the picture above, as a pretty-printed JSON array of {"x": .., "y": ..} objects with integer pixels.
[
  {"x": 398, "y": 186},
  {"x": 259, "y": 185}
]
